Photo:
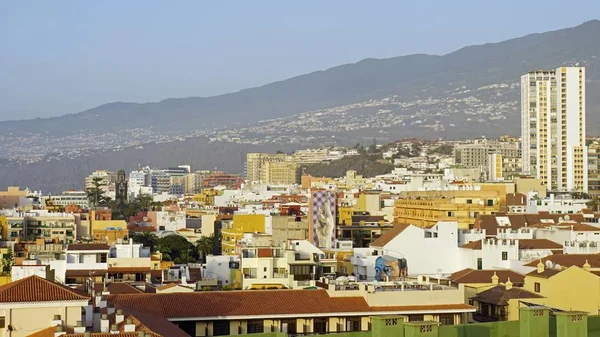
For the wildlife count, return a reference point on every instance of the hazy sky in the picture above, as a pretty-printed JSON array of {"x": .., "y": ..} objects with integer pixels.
[{"x": 59, "y": 57}]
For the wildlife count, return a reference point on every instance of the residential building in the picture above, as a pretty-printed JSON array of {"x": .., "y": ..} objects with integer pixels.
[
  {"x": 82, "y": 261},
  {"x": 553, "y": 128},
  {"x": 310, "y": 156},
  {"x": 478, "y": 155},
  {"x": 494, "y": 172},
  {"x": 13, "y": 197},
  {"x": 104, "y": 177},
  {"x": 194, "y": 182},
  {"x": 424, "y": 209},
  {"x": 33, "y": 303},
  {"x": 493, "y": 224},
  {"x": 40, "y": 224},
  {"x": 78, "y": 198},
  {"x": 560, "y": 204},
  {"x": 230, "y": 181},
  {"x": 594, "y": 168},
  {"x": 255, "y": 164},
  {"x": 233, "y": 232},
  {"x": 296, "y": 311},
  {"x": 281, "y": 172}
]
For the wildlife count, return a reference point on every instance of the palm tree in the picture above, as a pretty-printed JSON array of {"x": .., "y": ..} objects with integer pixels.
[
  {"x": 184, "y": 257},
  {"x": 204, "y": 245},
  {"x": 165, "y": 251},
  {"x": 148, "y": 239}
]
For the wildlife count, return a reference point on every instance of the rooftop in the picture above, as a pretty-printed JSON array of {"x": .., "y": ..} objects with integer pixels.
[{"x": 37, "y": 289}]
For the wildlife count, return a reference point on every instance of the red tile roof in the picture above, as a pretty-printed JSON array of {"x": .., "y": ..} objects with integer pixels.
[
  {"x": 236, "y": 303},
  {"x": 485, "y": 276},
  {"x": 538, "y": 244},
  {"x": 568, "y": 260},
  {"x": 517, "y": 221},
  {"x": 499, "y": 295},
  {"x": 108, "y": 334},
  {"x": 475, "y": 245},
  {"x": 37, "y": 289},
  {"x": 118, "y": 288},
  {"x": 389, "y": 235}
]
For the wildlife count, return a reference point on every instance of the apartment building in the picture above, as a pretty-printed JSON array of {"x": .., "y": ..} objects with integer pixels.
[
  {"x": 310, "y": 156},
  {"x": 194, "y": 182},
  {"x": 78, "y": 198},
  {"x": 483, "y": 154},
  {"x": 230, "y": 181},
  {"x": 105, "y": 177},
  {"x": 553, "y": 127},
  {"x": 255, "y": 164},
  {"x": 425, "y": 209},
  {"x": 281, "y": 173},
  {"x": 594, "y": 168},
  {"x": 40, "y": 224}
]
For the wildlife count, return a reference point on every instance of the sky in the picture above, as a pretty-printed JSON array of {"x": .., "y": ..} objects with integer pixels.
[{"x": 60, "y": 57}]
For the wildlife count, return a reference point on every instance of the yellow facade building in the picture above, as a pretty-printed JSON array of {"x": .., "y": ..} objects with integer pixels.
[
  {"x": 424, "y": 209},
  {"x": 255, "y": 164},
  {"x": 207, "y": 196},
  {"x": 573, "y": 288},
  {"x": 281, "y": 172},
  {"x": 233, "y": 232}
]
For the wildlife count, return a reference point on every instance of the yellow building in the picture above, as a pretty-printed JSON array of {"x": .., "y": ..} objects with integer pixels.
[
  {"x": 206, "y": 197},
  {"x": 33, "y": 304},
  {"x": 255, "y": 164},
  {"x": 242, "y": 223},
  {"x": 424, "y": 209},
  {"x": 345, "y": 215},
  {"x": 281, "y": 172},
  {"x": 573, "y": 288},
  {"x": 109, "y": 231}
]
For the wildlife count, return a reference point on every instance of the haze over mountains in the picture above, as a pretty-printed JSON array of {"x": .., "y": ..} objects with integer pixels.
[{"x": 471, "y": 92}]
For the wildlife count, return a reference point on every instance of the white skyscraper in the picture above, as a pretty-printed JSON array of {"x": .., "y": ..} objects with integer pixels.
[{"x": 553, "y": 127}]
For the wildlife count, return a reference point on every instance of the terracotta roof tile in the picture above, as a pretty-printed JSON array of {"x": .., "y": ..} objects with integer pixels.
[
  {"x": 118, "y": 288},
  {"x": 568, "y": 260},
  {"x": 538, "y": 244},
  {"x": 547, "y": 273},
  {"x": 167, "y": 286},
  {"x": 485, "y": 276},
  {"x": 37, "y": 289},
  {"x": 88, "y": 246},
  {"x": 235, "y": 303},
  {"x": 389, "y": 235},
  {"x": 48, "y": 332},
  {"x": 475, "y": 245},
  {"x": 516, "y": 199},
  {"x": 498, "y": 295},
  {"x": 265, "y": 252},
  {"x": 108, "y": 334}
]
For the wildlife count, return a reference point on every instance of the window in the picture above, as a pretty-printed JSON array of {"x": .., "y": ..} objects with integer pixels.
[
  {"x": 265, "y": 269},
  {"x": 256, "y": 326},
  {"x": 447, "y": 319},
  {"x": 320, "y": 325},
  {"x": 288, "y": 326},
  {"x": 504, "y": 256},
  {"x": 537, "y": 287},
  {"x": 353, "y": 324},
  {"x": 479, "y": 264},
  {"x": 490, "y": 202},
  {"x": 415, "y": 318},
  {"x": 469, "y": 201}
]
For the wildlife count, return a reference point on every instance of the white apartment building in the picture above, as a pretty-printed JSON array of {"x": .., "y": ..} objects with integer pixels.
[
  {"x": 553, "y": 127},
  {"x": 552, "y": 204},
  {"x": 67, "y": 198}
]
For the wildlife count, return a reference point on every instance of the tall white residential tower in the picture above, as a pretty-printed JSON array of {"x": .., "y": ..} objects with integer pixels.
[{"x": 553, "y": 127}]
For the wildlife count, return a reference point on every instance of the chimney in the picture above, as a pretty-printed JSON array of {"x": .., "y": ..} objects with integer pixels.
[
  {"x": 104, "y": 324},
  {"x": 56, "y": 321},
  {"x": 129, "y": 326},
  {"x": 587, "y": 266},
  {"x": 508, "y": 284},
  {"x": 495, "y": 279},
  {"x": 119, "y": 317},
  {"x": 540, "y": 267},
  {"x": 87, "y": 334},
  {"x": 59, "y": 331},
  {"x": 114, "y": 329},
  {"x": 110, "y": 308},
  {"x": 79, "y": 328}
]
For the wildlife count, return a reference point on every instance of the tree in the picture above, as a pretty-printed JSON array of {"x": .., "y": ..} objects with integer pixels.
[
  {"x": 174, "y": 247},
  {"x": 593, "y": 204},
  {"x": 144, "y": 201},
  {"x": 95, "y": 193},
  {"x": 8, "y": 260},
  {"x": 360, "y": 238},
  {"x": 148, "y": 239},
  {"x": 204, "y": 246},
  {"x": 184, "y": 257}
]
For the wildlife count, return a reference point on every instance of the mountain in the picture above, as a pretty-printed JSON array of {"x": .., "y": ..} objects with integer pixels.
[
  {"x": 471, "y": 92},
  {"x": 405, "y": 76}
]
